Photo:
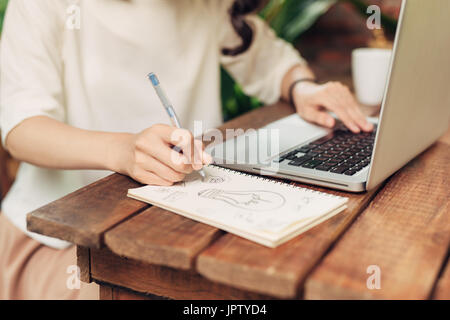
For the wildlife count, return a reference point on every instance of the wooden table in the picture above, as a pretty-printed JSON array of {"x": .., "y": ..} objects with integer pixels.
[{"x": 134, "y": 250}]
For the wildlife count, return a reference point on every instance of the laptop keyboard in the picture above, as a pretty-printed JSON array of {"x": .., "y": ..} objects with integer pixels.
[{"x": 341, "y": 152}]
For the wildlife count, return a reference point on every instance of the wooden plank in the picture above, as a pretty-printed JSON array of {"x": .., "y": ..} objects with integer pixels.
[
  {"x": 160, "y": 281},
  {"x": 277, "y": 272},
  {"x": 83, "y": 216},
  {"x": 123, "y": 294},
  {"x": 84, "y": 263},
  {"x": 161, "y": 237},
  {"x": 405, "y": 232},
  {"x": 442, "y": 291},
  {"x": 110, "y": 292},
  {"x": 106, "y": 292}
]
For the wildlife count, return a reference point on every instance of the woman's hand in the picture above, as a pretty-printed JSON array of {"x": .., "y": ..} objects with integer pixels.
[
  {"x": 312, "y": 102},
  {"x": 148, "y": 157}
]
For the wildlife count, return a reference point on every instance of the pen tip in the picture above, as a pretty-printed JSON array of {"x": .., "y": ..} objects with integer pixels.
[{"x": 202, "y": 174}]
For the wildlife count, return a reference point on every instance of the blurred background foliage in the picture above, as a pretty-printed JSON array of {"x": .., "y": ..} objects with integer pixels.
[
  {"x": 290, "y": 19},
  {"x": 3, "y": 4}
]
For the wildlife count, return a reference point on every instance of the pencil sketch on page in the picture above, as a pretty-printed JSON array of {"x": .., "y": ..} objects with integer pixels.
[{"x": 254, "y": 200}]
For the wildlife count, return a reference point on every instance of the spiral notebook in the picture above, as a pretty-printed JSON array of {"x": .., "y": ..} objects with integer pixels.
[{"x": 253, "y": 207}]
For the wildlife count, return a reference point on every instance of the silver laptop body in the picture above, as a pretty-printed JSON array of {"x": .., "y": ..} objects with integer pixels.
[{"x": 415, "y": 113}]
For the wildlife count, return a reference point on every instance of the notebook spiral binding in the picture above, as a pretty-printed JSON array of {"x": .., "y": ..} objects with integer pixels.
[{"x": 240, "y": 173}]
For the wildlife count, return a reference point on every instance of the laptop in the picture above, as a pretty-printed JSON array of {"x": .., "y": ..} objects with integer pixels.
[{"x": 415, "y": 113}]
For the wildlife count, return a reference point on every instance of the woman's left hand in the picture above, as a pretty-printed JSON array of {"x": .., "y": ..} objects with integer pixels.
[{"x": 312, "y": 102}]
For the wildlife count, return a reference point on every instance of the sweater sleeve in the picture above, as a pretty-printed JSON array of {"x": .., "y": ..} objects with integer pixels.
[{"x": 31, "y": 63}]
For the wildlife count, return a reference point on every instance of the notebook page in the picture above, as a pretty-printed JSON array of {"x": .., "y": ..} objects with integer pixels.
[{"x": 253, "y": 204}]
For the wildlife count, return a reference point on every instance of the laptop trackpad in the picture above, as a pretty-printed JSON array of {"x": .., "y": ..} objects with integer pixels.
[
  {"x": 293, "y": 131},
  {"x": 259, "y": 146}
]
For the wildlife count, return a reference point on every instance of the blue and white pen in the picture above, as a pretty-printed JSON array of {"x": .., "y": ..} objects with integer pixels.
[{"x": 169, "y": 108}]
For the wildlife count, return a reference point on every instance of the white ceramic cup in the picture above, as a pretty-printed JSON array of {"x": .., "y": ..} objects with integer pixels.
[{"x": 370, "y": 68}]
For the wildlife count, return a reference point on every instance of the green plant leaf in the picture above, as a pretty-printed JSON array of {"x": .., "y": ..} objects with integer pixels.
[
  {"x": 290, "y": 18},
  {"x": 305, "y": 19},
  {"x": 3, "y": 5}
]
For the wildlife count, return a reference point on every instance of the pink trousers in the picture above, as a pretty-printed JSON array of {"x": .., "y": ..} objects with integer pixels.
[{"x": 31, "y": 270}]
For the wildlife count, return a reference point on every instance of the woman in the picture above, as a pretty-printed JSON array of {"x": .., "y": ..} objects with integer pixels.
[{"x": 75, "y": 101}]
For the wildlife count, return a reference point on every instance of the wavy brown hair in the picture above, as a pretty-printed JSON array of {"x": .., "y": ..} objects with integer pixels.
[{"x": 239, "y": 9}]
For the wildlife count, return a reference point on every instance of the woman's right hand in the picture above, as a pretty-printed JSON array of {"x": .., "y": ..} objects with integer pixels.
[{"x": 149, "y": 158}]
